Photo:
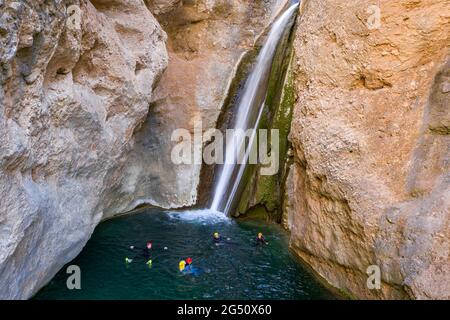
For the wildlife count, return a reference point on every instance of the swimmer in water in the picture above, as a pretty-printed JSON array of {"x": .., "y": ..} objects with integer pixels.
[
  {"x": 182, "y": 265},
  {"x": 145, "y": 253},
  {"x": 148, "y": 250},
  {"x": 260, "y": 239},
  {"x": 186, "y": 267},
  {"x": 217, "y": 238}
]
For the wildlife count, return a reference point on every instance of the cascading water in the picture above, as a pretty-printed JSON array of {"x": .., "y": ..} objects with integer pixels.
[{"x": 249, "y": 111}]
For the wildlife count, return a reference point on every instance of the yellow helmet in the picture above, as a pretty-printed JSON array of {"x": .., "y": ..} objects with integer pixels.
[
  {"x": 216, "y": 235},
  {"x": 182, "y": 265}
]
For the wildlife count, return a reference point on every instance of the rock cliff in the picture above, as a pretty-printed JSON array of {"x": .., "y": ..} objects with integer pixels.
[
  {"x": 76, "y": 81},
  {"x": 370, "y": 133}
]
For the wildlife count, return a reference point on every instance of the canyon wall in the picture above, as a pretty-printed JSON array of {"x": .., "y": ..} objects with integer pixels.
[
  {"x": 89, "y": 98},
  {"x": 370, "y": 134},
  {"x": 75, "y": 86},
  {"x": 87, "y": 108}
]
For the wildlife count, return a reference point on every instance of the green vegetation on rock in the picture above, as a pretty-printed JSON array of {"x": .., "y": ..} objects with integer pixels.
[{"x": 265, "y": 192}]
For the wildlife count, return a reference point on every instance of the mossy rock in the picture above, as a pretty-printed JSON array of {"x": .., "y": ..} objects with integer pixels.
[{"x": 262, "y": 190}]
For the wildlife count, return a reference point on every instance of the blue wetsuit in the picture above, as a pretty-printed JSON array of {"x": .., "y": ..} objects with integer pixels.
[{"x": 190, "y": 269}]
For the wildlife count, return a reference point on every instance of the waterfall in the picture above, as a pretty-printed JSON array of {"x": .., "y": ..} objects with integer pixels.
[{"x": 249, "y": 111}]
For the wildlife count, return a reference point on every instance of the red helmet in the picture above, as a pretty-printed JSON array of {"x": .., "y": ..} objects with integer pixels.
[{"x": 189, "y": 260}]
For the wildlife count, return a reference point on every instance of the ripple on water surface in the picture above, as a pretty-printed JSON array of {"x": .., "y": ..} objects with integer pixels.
[{"x": 236, "y": 269}]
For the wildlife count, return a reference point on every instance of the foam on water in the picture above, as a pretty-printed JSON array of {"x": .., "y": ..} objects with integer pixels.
[{"x": 203, "y": 216}]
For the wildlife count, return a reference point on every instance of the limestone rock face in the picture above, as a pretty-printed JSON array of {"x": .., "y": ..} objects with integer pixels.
[
  {"x": 76, "y": 80},
  {"x": 206, "y": 42},
  {"x": 370, "y": 184}
]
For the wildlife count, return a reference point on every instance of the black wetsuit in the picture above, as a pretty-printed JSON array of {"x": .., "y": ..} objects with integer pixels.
[
  {"x": 261, "y": 240},
  {"x": 147, "y": 253}
]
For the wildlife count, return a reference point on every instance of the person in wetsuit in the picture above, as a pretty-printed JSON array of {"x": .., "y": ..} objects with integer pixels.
[
  {"x": 146, "y": 253},
  {"x": 188, "y": 264},
  {"x": 260, "y": 239},
  {"x": 186, "y": 267},
  {"x": 217, "y": 238},
  {"x": 148, "y": 249}
]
